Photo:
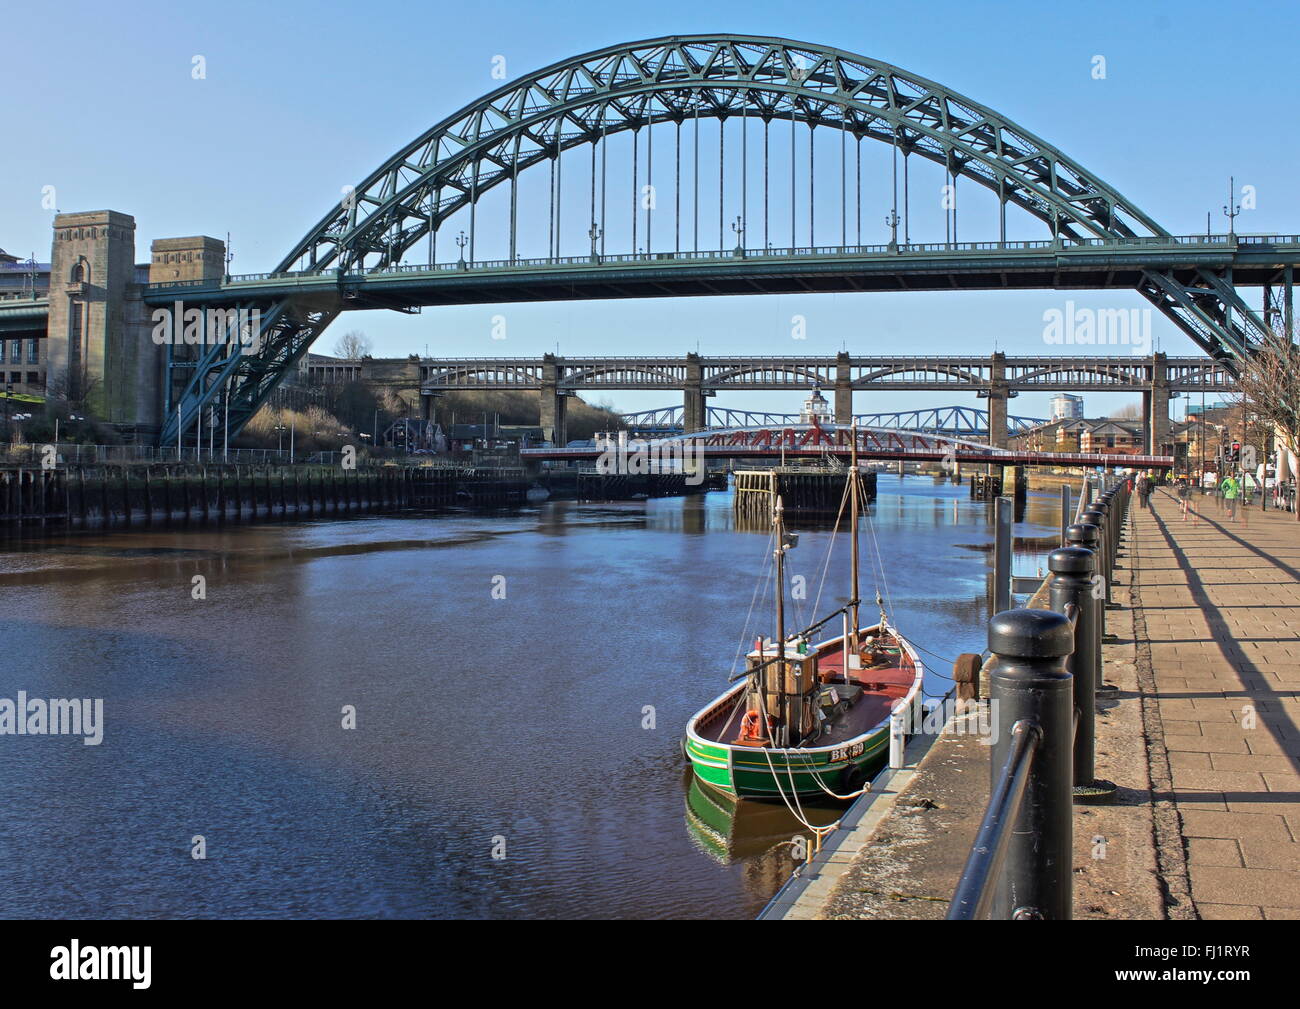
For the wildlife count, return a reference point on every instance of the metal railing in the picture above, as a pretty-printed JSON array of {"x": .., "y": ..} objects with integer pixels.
[
  {"x": 1063, "y": 244},
  {"x": 1044, "y": 674}
]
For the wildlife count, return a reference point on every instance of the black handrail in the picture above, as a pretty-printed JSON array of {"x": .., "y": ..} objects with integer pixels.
[
  {"x": 1019, "y": 865},
  {"x": 983, "y": 867}
]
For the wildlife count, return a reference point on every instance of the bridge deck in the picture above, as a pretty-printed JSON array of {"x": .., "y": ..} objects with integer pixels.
[{"x": 1092, "y": 265}]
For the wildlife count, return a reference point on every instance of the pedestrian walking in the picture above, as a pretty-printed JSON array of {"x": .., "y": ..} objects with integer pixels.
[
  {"x": 1230, "y": 490},
  {"x": 1184, "y": 496},
  {"x": 1144, "y": 490}
]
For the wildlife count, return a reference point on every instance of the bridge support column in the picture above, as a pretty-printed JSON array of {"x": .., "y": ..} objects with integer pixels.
[
  {"x": 843, "y": 390},
  {"x": 997, "y": 395},
  {"x": 553, "y": 405},
  {"x": 997, "y": 400},
  {"x": 694, "y": 415},
  {"x": 1156, "y": 406}
]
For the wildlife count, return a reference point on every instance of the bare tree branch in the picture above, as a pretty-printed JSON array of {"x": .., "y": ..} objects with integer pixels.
[{"x": 352, "y": 345}]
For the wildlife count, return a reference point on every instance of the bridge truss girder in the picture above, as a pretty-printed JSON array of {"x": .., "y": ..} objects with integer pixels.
[
  {"x": 671, "y": 80},
  {"x": 864, "y": 374},
  {"x": 954, "y": 420}
]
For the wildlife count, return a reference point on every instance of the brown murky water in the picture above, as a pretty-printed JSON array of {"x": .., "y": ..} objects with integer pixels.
[{"x": 484, "y": 725}]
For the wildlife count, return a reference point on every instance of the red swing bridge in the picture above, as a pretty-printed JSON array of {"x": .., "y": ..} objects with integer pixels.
[{"x": 824, "y": 441}]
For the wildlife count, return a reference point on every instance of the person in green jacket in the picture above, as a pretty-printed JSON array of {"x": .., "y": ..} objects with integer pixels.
[{"x": 1231, "y": 490}]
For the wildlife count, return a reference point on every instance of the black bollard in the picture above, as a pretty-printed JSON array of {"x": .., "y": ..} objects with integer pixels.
[
  {"x": 1105, "y": 506},
  {"x": 1032, "y": 692},
  {"x": 1096, "y": 516},
  {"x": 1087, "y": 535},
  {"x": 1122, "y": 499},
  {"x": 1072, "y": 585},
  {"x": 1112, "y": 526}
]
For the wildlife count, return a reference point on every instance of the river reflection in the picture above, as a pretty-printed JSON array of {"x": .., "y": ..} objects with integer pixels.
[{"x": 501, "y": 669}]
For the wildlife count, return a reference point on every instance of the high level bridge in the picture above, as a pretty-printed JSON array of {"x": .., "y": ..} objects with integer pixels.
[
  {"x": 996, "y": 379},
  {"x": 720, "y": 164}
]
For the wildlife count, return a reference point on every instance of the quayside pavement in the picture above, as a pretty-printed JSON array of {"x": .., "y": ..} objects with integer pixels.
[
  {"x": 1202, "y": 739},
  {"x": 1221, "y": 606}
]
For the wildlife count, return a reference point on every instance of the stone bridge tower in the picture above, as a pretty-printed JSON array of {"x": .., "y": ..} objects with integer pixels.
[{"x": 92, "y": 262}]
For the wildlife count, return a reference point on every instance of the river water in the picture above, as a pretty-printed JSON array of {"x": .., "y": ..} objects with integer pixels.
[{"x": 520, "y": 684}]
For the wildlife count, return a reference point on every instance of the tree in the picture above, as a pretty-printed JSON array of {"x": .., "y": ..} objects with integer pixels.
[
  {"x": 1268, "y": 386},
  {"x": 352, "y": 345}
]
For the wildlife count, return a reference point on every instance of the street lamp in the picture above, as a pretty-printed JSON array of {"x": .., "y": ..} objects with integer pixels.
[{"x": 1231, "y": 210}]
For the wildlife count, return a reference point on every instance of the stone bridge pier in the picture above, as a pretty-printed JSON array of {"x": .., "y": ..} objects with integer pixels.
[
  {"x": 694, "y": 414},
  {"x": 554, "y": 403},
  {"x": 843, "y": 389},
  {"x": 1155, "y": 408},
  {"x": 997, "y": 394}
]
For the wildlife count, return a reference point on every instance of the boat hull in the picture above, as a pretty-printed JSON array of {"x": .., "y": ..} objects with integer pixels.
[
  {"x": 837, "y": 770},
  {"x": 745, "y": 772}
]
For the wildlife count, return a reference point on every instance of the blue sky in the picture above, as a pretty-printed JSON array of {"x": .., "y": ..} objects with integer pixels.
[{"x": 300, "y": 99}]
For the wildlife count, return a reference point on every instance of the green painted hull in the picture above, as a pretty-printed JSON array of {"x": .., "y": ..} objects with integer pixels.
[
  {"x": 839, "y": 770},
  {"x": 745, "y": 772}
]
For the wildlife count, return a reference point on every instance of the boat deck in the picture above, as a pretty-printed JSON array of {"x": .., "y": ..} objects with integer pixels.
[{"x": 882, "y": 685}]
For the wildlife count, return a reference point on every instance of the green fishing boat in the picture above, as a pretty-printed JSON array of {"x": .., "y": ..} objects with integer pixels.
[{"x": 807, "y": 717}]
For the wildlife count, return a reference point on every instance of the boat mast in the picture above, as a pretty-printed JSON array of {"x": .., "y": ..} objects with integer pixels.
[
  {"x": 853, "y": 494},
  {"x": 778, "y": 522}
]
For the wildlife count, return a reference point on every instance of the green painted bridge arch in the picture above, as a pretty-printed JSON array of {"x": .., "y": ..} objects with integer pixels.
[
  {"x": 356, "y": 255},
  {"x": 629, "y": 87}
]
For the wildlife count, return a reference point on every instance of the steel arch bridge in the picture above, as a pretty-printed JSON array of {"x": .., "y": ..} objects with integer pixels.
[
  {"x": 957, "y": 421},
  {"x": 365, "y": 252},
  {"x": 836, "y": 442}
]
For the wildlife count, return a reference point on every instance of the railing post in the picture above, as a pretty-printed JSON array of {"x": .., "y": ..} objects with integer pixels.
[
  {"x": 1030, "y": 684},
  {"x": 1096, "y": 515},
  {"x": 1087, "y": 535},
  {"x": 1065, "y": 510},
  {"x": 1111, "y": 510},
  {"x": 1003, "y": 514},
  {"x": 1071, "y": 585},
  {"x": 1119, "y": 509}
]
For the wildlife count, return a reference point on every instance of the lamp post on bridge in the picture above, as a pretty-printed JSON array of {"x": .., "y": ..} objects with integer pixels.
[
  {"x": 594, "y": 233},
  {"x": 1232, "y": 210},
  {"x": 892, "y": 220},
  {"x": 738, "y": 226},
  {"x": 461, "y": 242}
]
